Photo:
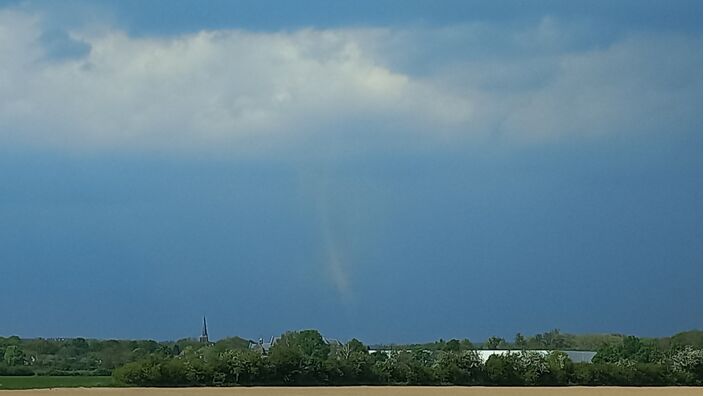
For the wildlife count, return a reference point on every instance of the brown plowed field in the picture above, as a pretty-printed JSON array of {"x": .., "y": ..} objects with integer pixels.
[{"x": 361, "y": 391}]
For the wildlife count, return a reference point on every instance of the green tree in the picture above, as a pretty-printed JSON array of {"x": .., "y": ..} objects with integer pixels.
[
  {"x": 459, "y": 368},
  {"x": 351, "y": 364},
  {"x": 686, "y": 363},
  {"x": 631, "y": 350},
  {"x": 503, "y": 370},
  {"x": 453, "y": 345},
  {"x": 553, "y": 339},
  {"x": 355, "y": 346},
  {"x": 239, "y": 367},
  {"x": 14, "y": 356},
  {"x": 532, "y": 367},
  {"x": 412, "y": 368},
  {"x": 299, "y": 357},
  {"x": 466, "y": 345},
  {"x": 494, "y": 342},
  {"x": 561, "y": 369}
]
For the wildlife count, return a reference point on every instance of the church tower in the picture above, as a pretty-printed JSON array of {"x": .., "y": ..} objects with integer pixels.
[{"x": 204, "y": 333}]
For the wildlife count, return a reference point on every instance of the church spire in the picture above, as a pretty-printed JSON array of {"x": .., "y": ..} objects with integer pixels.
[{"x": 204, "y": 333}]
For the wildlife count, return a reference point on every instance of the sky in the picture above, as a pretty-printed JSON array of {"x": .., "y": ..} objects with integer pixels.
[{"x": 394, "y": 171}]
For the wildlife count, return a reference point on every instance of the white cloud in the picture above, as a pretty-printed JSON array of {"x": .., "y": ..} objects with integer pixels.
[
  {"x": 209, "y": 88},
  {"x": 242, "y": 91}
]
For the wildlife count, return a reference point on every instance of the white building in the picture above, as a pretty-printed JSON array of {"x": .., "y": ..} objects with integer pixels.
[{"x": 575, "y": 356}]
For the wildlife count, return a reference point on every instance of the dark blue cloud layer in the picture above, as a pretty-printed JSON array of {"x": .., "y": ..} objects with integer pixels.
[
  {"x": 594, "y": 237},
  {"x": 589, "y": 232}
]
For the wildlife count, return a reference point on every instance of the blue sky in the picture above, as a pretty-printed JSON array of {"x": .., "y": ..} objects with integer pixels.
[{"x": 391, "y": 171}]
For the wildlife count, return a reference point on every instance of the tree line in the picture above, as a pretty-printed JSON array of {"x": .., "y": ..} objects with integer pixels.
[
  {"x": 80, "y": 356},
  {"x": 304, "y": 358}
]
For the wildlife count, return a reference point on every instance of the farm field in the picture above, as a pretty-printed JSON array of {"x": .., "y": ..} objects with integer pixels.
[
  {"x": 33, "y": 382},
  {"x": 361, "y": 391}
]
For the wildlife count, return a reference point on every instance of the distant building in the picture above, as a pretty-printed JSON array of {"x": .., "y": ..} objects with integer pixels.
[
  {"x": 484, "y": 354},
  {"x": 204, "y": 333},
  {"x": 264, "y": 347},
  {"x": 332, "y": 342},
  {"x": 575, "y": 356}
]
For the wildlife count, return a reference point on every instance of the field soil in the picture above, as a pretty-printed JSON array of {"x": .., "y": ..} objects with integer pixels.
[{"x": 362, "y": 391}]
